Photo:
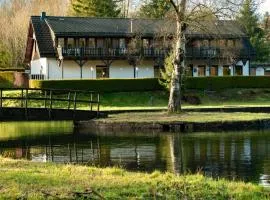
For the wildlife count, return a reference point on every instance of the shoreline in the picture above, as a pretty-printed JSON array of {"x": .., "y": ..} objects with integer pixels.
[{"x": 182, "y": 127}]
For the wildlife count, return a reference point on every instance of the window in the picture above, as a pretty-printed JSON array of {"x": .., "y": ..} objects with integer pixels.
[
  {"x": 122, "y": 43},
  {"x": 115, "y": 43},
  {"x": 145, "y": 43},
  {"x": 226, "y": 70},
  {"x": 230, "y": 43},
  {"x": 214, "y": 70},
  {"x": 70, "y": 43},
  {"x": 201, "y": 70},
  {"x": 238, "y": 70},
  {"x": 82, "y": 42},
  {"x": 61, "y": 42},
  {"x": 100, "y": 43},
  {"x": 102, "y": 71},
  {"x": 205, "y": 43},
  {"x": 91, "y": 42},
  {"x": 222, "y": 43},
  {"x": 189, "y": 71}
]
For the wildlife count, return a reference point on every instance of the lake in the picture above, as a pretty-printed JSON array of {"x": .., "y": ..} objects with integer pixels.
[{"x": 232, "y": 155}]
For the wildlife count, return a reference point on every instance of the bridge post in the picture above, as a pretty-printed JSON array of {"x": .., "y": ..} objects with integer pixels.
[
  {"x": 98, "y": 104},
  {"x": 1, "y": 95},
  {"x": 50, "y": 109},
  {"x": 91, "y": 99},
  {"x": 26, "y": 104},
  {"x": 69, "y": 94},
  {"x": 74, "y": 105},
  {"x": 22, "y": 98},
  {"x": 45, "y": 99}
]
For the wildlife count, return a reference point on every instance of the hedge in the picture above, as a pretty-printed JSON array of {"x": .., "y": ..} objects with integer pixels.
[
  {"x": 100, "y": 85},
  {"x": 226, "y": 82},
  {"x": 150, "y": 84},
  {"x": 6, "y": 79}
]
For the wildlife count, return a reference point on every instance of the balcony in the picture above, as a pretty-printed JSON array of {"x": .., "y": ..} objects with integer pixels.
[
  {"x": 116, "y": 53},
  {"x": 216, "y": 53},
  {"x": 191, "y": 53}
]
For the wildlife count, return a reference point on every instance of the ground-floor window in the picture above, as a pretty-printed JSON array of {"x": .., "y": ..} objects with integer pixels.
[
  {"x": 201, "y": 70},
  {"x": 226, "y": 70},
  {"x": 102, "y": 71},
  {"x": 189, "y": 71},
  {"x": 214, "y": 70},
  {"x": 238, "y": 70},
  {"x": 253, "y": 71}
]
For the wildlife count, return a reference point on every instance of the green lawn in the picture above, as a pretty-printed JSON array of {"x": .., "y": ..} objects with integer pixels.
[
  {"x": 27, "y": 180},
  {"x": 159, "y": 99}
]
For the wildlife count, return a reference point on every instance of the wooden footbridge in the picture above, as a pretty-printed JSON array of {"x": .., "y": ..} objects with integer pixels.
[{"x": 20, "y": 104}]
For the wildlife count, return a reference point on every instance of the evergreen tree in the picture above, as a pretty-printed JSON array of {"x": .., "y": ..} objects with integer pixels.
[
  {"x": 249, "y": 20},
  {"x": 95, "y": 8},
  {"x": 154, "y": 9}
]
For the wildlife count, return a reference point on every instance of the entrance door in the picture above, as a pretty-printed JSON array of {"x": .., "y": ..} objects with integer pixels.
[{"x": 102, "y": 71}]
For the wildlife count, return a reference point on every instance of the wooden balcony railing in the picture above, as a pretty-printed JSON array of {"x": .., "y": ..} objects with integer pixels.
[
  {"x": 215, "y": 52},
  {"x": 191, "y": 52},
  {"x": 112, "y": 53}
]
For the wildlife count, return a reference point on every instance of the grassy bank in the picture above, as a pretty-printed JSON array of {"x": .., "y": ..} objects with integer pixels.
[
  {"x": 159, "y": 99},
  {"x": 184, "y": 117},
  {"x": 26, "y": 180}
]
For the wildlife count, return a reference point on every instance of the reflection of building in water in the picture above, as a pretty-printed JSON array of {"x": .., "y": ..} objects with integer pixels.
[{"x": 224, "y": 155}]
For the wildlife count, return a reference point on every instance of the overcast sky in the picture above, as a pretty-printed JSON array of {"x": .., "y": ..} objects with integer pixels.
[{"x": 265, "y": 7}]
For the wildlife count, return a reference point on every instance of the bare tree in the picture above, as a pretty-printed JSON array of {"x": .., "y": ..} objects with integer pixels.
[
  {"x": 14, "y": 20},
  {"x": 188, "y": 13}
]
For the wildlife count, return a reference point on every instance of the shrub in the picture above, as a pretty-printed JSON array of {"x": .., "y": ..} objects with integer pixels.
[
  {"x": 100, "y": 85},
  {"x": 218, "y": 83},
  {"x": 152, "y": 84},
  {"x": 6, "y": 79}
]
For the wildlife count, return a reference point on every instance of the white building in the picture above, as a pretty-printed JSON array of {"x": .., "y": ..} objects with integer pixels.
[{"x": 81, "y": 47}]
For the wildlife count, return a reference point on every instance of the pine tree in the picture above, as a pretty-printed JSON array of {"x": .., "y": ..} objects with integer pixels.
[
  {"x": 154, "y": 9},
  {"x": 249, "y": 20},
  {"x": 95, "y": 8}
]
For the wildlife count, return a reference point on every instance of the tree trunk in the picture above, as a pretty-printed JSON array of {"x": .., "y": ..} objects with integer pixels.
[{"x": 174, "y": 104}]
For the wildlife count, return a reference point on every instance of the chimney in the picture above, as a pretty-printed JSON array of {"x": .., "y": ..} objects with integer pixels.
[{"x": 43, "y": 16}]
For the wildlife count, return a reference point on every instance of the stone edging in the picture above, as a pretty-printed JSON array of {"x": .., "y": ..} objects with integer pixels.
[{"x": 95, "y": 125}]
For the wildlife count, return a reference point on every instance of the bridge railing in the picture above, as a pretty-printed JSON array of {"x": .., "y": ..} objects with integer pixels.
[{"x": 48, "y": 98}]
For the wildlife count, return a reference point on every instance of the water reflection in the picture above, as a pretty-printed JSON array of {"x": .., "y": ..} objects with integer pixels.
[{"x": 244, "y": 156}]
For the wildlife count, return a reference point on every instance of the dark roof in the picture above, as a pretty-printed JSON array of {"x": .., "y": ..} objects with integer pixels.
[
  {"x": 89, "y": 26},
  {"x": 120, "y": 27},
  {"x": 43, "y": 37}
]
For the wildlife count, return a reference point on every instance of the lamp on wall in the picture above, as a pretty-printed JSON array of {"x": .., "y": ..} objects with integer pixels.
[
  {"x": 137, "y": 72},
  {"x": 92, "y": 72}
]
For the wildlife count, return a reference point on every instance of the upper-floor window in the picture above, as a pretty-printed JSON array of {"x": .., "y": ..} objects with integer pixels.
[
  {"x": 230, "y": 43},
  {"x": 205, "y": 43},
  {"x": 146, "y": 43},
  {"x": 222, "y": 43},
  {"x": 91, "y": 43},
  {"x": 61, "y": 42},
  {"x": 82, "y": 42},
  {"x": 100, "y": 43},
  {"x": 122, "y": 43},
  {"x": 70, "y": 43},
  {"x": 115, "y": 43}
]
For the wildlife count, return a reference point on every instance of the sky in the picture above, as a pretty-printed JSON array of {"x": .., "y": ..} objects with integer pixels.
[{"x": 264, "y": 7}]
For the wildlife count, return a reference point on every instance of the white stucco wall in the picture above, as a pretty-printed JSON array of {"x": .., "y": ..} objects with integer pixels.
[
  {"x": 54, "y": 71},
  {"x": 259, "y": 71},
  {"x": 146, "y": 69},
  {"x": 121, "y": 69},
  {"x": 39, "y": 67}
]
